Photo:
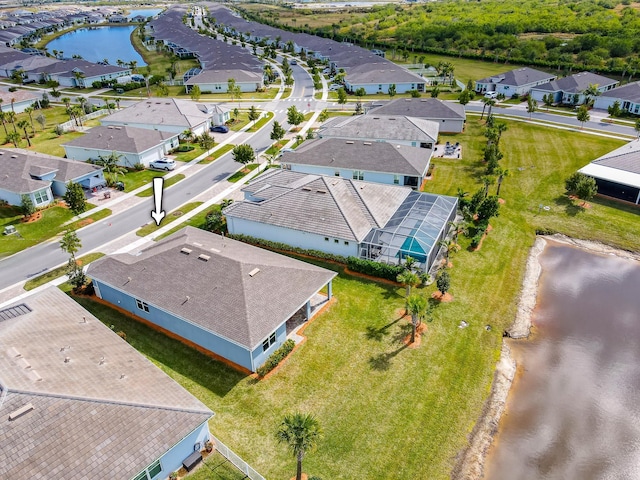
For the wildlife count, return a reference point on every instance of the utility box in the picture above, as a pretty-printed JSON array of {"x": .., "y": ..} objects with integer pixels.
[
  {"x": 9, "y": 230},
  {"x": 191, "y": 461}
]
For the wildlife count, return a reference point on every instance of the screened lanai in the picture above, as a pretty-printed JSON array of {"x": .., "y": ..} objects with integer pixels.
[{"x": 413, "y": 230}]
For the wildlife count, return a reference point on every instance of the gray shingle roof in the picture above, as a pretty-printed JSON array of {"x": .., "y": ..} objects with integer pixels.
[
  {"x": 162, "y": 111},
  {"x": 358, "y": 155},
  {"x": 518, "y": 77},
  {"x": 626, "y": 158},
  {"x": 19, "y": 96},
  {"x": 629, "y": 92},
  {"x": 223, "y": 297},
  {"x": 380, "y": 71},
  {"x": 576, "y": 83},
  {"x": 381, "y": 127},
  {"x": 215, "y": 75},
  {"x": 18, "y": 165},
  {"x": 121, "y": 139},
  {"x": 427, "y": 108},
  {"x": 87, "y": 421},
  {"x": 330, "y": 206}
]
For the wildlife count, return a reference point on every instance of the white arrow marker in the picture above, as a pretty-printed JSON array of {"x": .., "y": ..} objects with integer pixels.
[{"x": 158, "y": 186}]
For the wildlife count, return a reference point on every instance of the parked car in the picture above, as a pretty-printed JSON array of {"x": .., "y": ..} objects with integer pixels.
[
  {"x": 219, "y": 128},
  {"x": 163, "y": 164},
  {"x": 335, "y": 87},
  {"x": 293, "y": 62},
  {"x": 491, "y": 95}
]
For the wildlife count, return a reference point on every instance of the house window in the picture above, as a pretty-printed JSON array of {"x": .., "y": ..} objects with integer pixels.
[
  {"x": 326, "y": 239},
  {"x": 396, "y": 179},
  {"x": 41, "y": 196},
  {"x": 346, "y": 243},
  {"x": 154, "y": 469},
  {"x": 141, "y": 476},
  {"x": 335, "y": 240},
  {"x": 268, "y": 342},
  {"x": 358, "y": 175},
  {"x": 336, "y": 173},
  {"x": 142, "y": 305}
]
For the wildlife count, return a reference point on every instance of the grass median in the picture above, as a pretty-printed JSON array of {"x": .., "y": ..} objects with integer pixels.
[
  {"x": 149, "y": 228},
  {"x": 60, "y": 271},
  {"x": 167, "y": 183}
]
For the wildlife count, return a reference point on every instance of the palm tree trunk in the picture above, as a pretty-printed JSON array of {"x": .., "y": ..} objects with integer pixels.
[
  {"x": 26, "y": 135},
  {"x": 499, "y": 184},
  {"x": 481, "y": 116},
  {"x": 299, "y": 468},
  {"x": 413, "y": 329}
]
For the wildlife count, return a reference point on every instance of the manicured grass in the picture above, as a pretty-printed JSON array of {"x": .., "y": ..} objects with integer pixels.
[
  {"x": 260, "y": 123},
  {"x": 99, "y": 215},
  {"x": 136, "y": 178},
  {"x": 197, "y": 221},
  {"x": 60, "y": 271},
  {"x": 190, "y": 155},
  {"x": 170, "y": 217},
  {"x": 52, "y": 223},
  {"x": 167, "y": 183},
  {"x": 218, "y": 153},
  {"x": 286, "y": 93},
  {"x": 216, "y": 467},
  {"x": 241, "y": 173}
]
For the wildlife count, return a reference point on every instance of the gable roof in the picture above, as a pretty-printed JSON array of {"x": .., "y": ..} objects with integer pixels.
[
  {"x": 381, "y": 127},
  {"x": 218, "y": 294},
  {"x": 162, "y": 111},
  {"x": 576, "y": 83},
  {"x": 426, "y": 108},
  {"x": 621, "y": 165},
  {"x": 19, "y": 96},
  {"x": 100, "y": 408},
  {"x": 380, "y": 71},
  {"x": 121, "y": 139},
  {"x": 215, "y": 75},
  {"x": 20, "y": 168},
  {"x": 331, "y": 206},
  {"x": 358, "y": 155},
  {"x": 629, "y": 92},
  {"x": 518, "y": 77}
]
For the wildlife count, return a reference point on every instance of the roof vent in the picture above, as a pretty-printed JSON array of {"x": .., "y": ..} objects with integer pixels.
[
  {"x": 13, "y": 352},
  {"x": 186, "y": 251},
  {"x": 67, "y": 359},
  {"x": 24, "y": 363},
  {"x": 21, "y": 411},
  {"x": 349, "y": 142},
  {"x": 34, "y": 375},
  {"x": 376, "y": 118},
  {"x": 122, "y": 376},
  {"x": 366, "y": 143},
  {"x": 321, "y": 191},
  {"x": 306, "y": 189},
  {"x": 253, "y": 272},
  {"x": 14, "y": 156},
  {"x": 203, "y": 257}
]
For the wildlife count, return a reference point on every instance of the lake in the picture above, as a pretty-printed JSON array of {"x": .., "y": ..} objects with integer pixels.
[
  {"x": 574, "y": 408},
  {"x": 97, "y": 43}
]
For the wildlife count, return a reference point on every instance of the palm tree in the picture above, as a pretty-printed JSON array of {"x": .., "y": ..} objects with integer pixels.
[
  {"x": 501, "y": 127},
  {"x": 11, "y": 117},
  {"x": 14, "y": 137},
  {"x": 133, "y": 65},
  {"x": 3, "y": 119},
  {"x": 70, "y": 243},
  {"x": 417, "y": 308},
  {"x": 22, "y": 125},
  {"x": 490, "y": 103},
  {"x": 300, "y": 432},
  {"x": 78, "y": 76},
  {"x": 409, "y": 279},
  {"x": 501, "y": 174},
  {"x": 29, "y": 111},
  {"x": 110, "y": 165},
  {"x": 66, "y": 101},
  {"x": 106, "y": 104},
  {"x": 485, "y": 102}
]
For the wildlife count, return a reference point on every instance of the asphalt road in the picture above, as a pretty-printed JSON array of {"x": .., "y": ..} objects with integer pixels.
[{"x": 45, "y": 256}]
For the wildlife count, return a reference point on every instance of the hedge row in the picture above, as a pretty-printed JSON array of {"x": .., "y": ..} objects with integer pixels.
[
  {"x": 276, "y": 357},
  {"x": 355, "y": 264}
]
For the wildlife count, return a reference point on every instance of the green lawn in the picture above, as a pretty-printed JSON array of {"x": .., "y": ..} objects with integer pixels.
[
  {"x": 190, "y": 155},
  {"x": 170, "y": 217},
  {"x": 167, "y": 183},
  {"x": 51, "y": 223},
  {"x": 241, "y": 173},
  {"x": 218, "y": 153},
  {"x": 197, "y": 221},
  {"x": 260, "y": 123},
  {"x": 136, "y": 178},
  {"x": 216, "y": 467},
  {"x": 60, "y": 271}
]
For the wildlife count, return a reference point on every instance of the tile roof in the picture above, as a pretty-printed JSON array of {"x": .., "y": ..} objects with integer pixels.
[
  {"x": 381, "y": 127},
  {"x": 427, "y": 108},
  {"x": 121, "y": 139},
  {"x": 576, "y": 83},
  {"x": 518, "y": 77},
  {"x": 18, "y": 165},
  {"x": 88, "y": 420},
  {"x": 358, "y": 155},
  {"x": 331, "y": 206},
  {"x": 629, "y": 92},
  {"x": 218, "y": 294},
  {"x": 162, "y": 111}
]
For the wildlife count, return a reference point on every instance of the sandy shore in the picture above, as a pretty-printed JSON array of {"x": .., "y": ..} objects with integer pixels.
[{"x": 470, "y": 462}]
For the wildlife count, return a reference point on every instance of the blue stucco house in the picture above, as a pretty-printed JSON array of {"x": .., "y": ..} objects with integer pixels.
[
  {"x": 78, "y": 402},
  {"x": 224, "y": 296},
  {"x": 23, "y": 172}
]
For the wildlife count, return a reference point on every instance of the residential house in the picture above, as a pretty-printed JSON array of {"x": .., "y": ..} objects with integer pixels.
[
  {"x": 617, "y": 173},
  {"x": 17, "y": 101},
  {"x": 117, "y": 18},
  {"x": 223, "y": 296},
  {"x": 627, "y": 95},
  {"x": 77, "y": 401},
  {"x": 378, "y": 76},
  {"x": 570, "y": 90},
  {"x": 379, "y": 162},
  {"x": 343, "y": 216},
  {"x": 166, "y": 114},
  {"x": 23, "y": 172},
  {"x": 215, "y": 80},
  {"x": 514, "y": 82},
  {"x": 450, "y": 116},
  {"x": 79, "y": 73},
  {"x": 132, "y": 145}
]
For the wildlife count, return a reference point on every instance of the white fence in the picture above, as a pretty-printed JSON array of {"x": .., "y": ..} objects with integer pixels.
[
  {"x": 240, "y": 464},
  {"x": 71, "y": 124}
]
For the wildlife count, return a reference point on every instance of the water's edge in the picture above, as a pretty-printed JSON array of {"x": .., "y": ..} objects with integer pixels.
[{"x": 470, "y": 462}]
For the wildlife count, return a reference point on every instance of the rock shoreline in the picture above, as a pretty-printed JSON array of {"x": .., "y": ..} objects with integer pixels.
[{"x": 471, "y": 461}]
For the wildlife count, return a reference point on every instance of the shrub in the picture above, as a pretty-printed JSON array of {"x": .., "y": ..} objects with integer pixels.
[
  {"x": 288, "y": 248},
  {"x": 375, "y": 269},
  {"x": 185, "y": 148},
  {"x": 138, "y": 167},
  {"x": 122, "y": 335},
  {"x": 58, "y": 130},
  {"x": 276, "y": 357}
]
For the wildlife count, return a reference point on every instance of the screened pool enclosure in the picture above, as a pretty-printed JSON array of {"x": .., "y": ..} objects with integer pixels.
[{"x": 414, "y": 230}]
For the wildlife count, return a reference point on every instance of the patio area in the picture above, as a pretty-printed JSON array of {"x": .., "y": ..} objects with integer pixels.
[
  {"x": 448, "y": 150},
  {"x": 300, "y": 317}
]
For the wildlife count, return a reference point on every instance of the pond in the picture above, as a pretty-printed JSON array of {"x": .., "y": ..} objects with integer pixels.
[
  {"x": 98, "y": 43},
  {"x": 574, "y": 408}
]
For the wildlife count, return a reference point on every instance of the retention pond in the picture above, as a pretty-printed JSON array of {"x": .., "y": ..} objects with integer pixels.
[{"x": 574, "y": 408}]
